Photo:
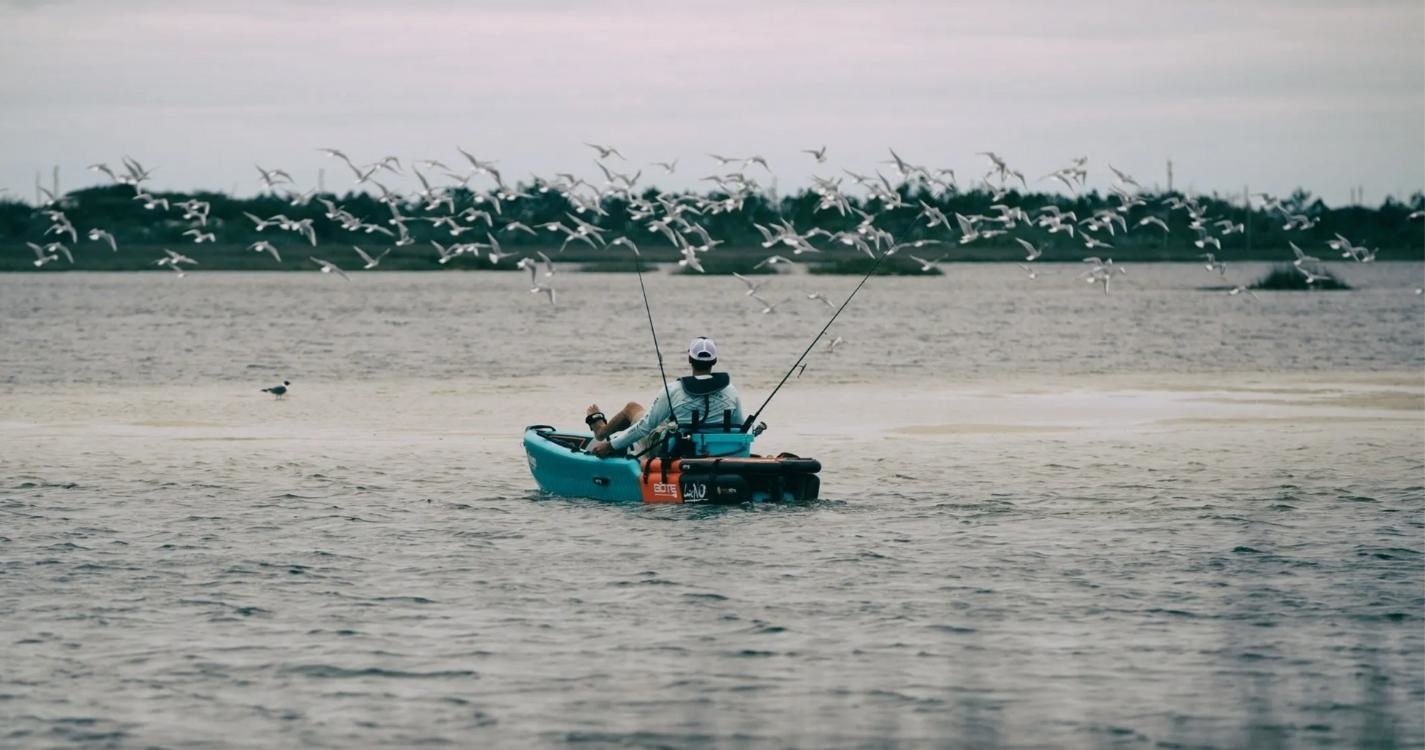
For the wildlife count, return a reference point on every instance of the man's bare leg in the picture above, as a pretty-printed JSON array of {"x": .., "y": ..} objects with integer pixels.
[{"x": 620, "y": 420}]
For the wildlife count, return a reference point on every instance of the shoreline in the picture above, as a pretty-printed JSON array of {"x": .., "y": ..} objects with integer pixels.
[{"x": 669, "y": 267}]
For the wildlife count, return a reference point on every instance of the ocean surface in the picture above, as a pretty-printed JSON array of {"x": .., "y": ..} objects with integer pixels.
[{"x": 1164, "y": 516}]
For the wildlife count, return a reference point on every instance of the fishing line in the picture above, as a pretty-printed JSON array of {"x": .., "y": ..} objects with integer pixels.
[
  {"x": 666, "y": 395},
  {"x": 747, "y": 425}
]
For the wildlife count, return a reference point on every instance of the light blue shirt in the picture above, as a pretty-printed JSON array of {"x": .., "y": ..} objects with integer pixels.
[{"x": 710, "y": 407}]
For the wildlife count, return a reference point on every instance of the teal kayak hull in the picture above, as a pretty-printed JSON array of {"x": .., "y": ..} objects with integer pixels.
[
  {"x": 561, "y": 466},
  {"x": 720, "y": 468}
]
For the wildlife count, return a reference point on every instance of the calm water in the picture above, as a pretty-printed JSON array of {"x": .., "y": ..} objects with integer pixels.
[{"x": 1161, "y": 517}]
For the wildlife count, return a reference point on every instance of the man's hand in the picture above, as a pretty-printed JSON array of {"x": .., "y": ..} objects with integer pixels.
[{"x": 601, "y": 448}]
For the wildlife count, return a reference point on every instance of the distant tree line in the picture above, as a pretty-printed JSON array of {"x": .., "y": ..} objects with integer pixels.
[{"x": 1393, "y": 230}]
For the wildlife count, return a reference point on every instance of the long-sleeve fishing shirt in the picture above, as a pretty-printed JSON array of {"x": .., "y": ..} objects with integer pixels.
[{"x": 710, "y": 408}]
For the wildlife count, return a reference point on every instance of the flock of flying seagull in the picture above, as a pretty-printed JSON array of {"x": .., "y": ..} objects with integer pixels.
[{"x": 675, "y": 216}]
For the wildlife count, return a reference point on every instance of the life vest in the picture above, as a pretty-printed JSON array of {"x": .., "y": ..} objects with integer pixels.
[{"x": 704, "y": 392}]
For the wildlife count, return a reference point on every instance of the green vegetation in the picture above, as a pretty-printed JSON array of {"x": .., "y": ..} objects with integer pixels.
[
  {"x": 1288, "y": 278},
  {"x": 142, "y": 234},
  {"x": 892, "y": 266}
]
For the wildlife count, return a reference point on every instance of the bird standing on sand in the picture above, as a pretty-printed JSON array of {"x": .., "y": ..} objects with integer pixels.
[{"x": 280, "y": 391}]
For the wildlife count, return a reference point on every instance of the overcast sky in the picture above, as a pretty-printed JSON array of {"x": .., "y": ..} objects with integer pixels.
[{"x": 1326, "y": 95}]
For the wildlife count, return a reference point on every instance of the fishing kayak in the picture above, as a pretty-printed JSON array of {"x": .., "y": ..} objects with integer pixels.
[{"x": 719, "y": 468}]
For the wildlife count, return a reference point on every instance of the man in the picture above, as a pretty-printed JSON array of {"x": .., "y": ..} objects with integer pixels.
[{"x": 710, "y": 395}]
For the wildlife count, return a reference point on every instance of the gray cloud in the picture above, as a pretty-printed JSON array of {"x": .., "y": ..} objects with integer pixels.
[{"x": 1275, "y": 95}]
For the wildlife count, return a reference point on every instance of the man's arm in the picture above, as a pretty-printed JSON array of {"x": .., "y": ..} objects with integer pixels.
[{"x": 656, "y": 415}]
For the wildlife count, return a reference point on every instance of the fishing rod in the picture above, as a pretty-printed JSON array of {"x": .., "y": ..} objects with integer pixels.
[
  {"x": 747, "y": 425},
  {"x": 668, "y": 397}
]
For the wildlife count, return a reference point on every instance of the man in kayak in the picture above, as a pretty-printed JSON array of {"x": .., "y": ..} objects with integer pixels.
[{"x": 703, "y": 398}]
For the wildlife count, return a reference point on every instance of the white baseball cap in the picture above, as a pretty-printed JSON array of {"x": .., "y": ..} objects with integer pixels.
[{"x": 702, "y": 349}]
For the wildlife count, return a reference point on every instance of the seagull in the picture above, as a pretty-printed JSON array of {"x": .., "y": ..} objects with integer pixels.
[
  {"x": 446, "y": 254},
  {"x": 1102, "y": 272},
  {"x": 832, "y": 344},
  {"x": 62, "y": 226},
  {"x": 151, "y": 201},
  {"x": 280, "y": 391},
  {"x": 1030, "y": 272},
  {"x": 485, "y": 167},
  {"x": 1301, "y": 257},
  {"x": 335, "y": 153},
  {"x": 1236, "y": 290},
  {"x": 1203, "y": 240},
  {"x": 767, "y": 307},
  {"x": 174, "y": 259},
  {"x": 102, "y": 167},
  {"x": 63, "y": 250},
  {"x": 370, "y": 261},
  {"x": 1312, "y": 278},
  {"x": 136, "y": 172},
  {"x": 528, "y": 264},
  {"x": 690, "y": 259},
  {"x": 497, "y": 253},
  {"x": 199, "y": 236},
  {"x": 98, "y": 234},
  {"x": 546, "y": 290},
  {"x": 934, "y": 215},
  {"x": 260, "y": 223},
  {"x": 300, "y": 199},
  {"x": 605, "y": 151},
  {"x": 819, "y": 153},
  {"x": 668, "y": 166},
  {"x": 328, "y": 267},
  {"x": 270, "y": 176},
  {"x": 626, "y": 242},
  {"x": 1029, "y": 247},
  {"x": 263, "y": 246},
  {"x": 1214, "y": 265},
  {"x": 363, "y": 174},
  {"x": 1155, "y": 221},
  {"x": 42, "y": 255},
  {"x": 821, "y": 298},
  {"x": 548, "y": 264},
  {"x": 1123, "y": 178},
  {"x": 926, "y": 266},
  {"x": 917, "y": 244},
  {"x": 752, "y": 286},
  {"x": 967, "y": 229},
  {"x": 772, "y": 261}
]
